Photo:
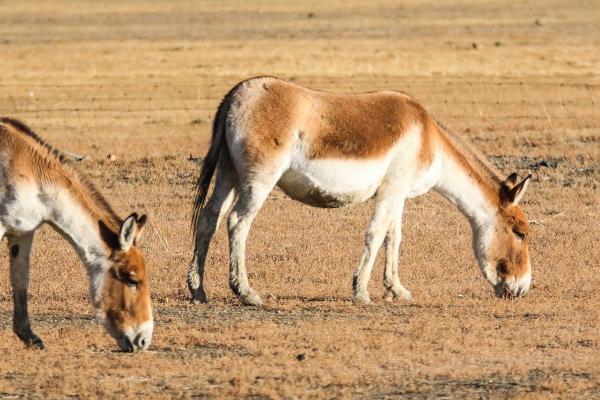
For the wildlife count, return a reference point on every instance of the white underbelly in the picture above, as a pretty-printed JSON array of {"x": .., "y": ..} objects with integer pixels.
[{"x": 333, "y": 183}]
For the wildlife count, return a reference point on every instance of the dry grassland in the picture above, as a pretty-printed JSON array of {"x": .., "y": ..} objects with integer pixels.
[{"x": 141, "y": 81}]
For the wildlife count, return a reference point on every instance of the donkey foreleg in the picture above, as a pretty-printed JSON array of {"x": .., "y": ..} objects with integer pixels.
[
  {"x": 391, "y": 280},
  {"x": 373, "y": 239},
  {"x": 210, "y": 218},
  {"x": 20, "y": 249}
]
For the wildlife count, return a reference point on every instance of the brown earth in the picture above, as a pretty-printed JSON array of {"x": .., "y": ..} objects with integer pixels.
[{"x": 141, "y": 81}]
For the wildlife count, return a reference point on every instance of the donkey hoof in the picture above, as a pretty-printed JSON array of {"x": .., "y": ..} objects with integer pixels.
[
  {"x": 405, "y": 295},
  {"x": 35, "y": 343},
  {"x": 389, "y": 296},
  {"x": 31, "y": 340},
  {"x": 251, "y": 299},
  {"x": 362, "y": 298},
  {"x": 198, "y": 297},
  {"x": 398, "y": 293}
]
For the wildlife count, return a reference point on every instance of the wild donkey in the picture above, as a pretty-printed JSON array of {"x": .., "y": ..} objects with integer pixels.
[
  {"x": 38, "y": 185},
  {"x": 331, "y": 150}
]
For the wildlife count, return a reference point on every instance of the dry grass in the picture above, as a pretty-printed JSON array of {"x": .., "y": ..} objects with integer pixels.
[{"x": 142, "y": 80}]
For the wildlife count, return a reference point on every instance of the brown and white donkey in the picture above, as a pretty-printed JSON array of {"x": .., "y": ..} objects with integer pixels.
[
  {"x": 331, "y": 150},
  {"x": 39, "y": 185}
]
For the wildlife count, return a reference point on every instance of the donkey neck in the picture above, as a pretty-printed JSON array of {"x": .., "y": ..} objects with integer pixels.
[
  {"x": 468, "y": 182},
  {"x": 82, "y": 226}
]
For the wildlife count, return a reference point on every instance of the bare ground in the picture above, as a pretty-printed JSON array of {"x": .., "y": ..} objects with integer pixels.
[{"x": 141, "y": 81}]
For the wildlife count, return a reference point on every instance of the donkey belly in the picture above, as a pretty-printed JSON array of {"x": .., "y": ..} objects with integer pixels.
[{"x": 332, "y": 183}]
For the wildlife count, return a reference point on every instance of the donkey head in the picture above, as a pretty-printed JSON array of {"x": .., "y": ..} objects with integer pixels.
[
  {"x": 124, "y": 306},
  {"x": 504, "y": 259}
]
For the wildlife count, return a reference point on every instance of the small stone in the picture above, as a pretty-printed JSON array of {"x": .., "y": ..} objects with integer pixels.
[
  {"x": 111, "y": 157},
  {"x": 300, "y": 357}
]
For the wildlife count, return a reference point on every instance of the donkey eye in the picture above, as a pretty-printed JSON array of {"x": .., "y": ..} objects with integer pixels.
[
  {"x": 519, "y": 235},
  {"x": 131, "y": 281}
]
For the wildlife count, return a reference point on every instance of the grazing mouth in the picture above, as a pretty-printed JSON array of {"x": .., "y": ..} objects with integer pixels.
[
  {"x": 502, "y": 291},
  {"x": 509, "y": 290},
  {"x": 127, "y": 345},
  {"x": 123, "y": 341}
]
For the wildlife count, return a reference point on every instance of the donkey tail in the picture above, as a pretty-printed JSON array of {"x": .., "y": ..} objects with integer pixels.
[{"x": 209, "y": 164}]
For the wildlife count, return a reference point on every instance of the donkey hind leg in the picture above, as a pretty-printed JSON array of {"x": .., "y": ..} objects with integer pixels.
[
  {"x": 378, "y": 226},
  {"x": 391, "y": 280},
  {"x": 20, "y": 249},
  {"x": 210, "y": 219},
  {"x": 250, "y": 200}
]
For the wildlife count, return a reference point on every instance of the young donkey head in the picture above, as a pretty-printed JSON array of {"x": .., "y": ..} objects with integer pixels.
[
  {"x": 124, "y": 304},
  {"x": 503, "y": 251}
]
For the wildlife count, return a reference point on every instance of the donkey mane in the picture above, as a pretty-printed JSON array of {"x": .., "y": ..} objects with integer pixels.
[
  {"x": 474, "y": 156},
  {"x": 67, "y": 167},
  {"x": 21, "y": 127}
]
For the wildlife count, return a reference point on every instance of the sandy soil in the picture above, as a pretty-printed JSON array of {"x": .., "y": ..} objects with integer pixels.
[{"x": 141, "y": 81}]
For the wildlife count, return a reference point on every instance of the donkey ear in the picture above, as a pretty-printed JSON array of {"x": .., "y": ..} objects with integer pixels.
[
  {"x": 516, "y": 193},
  {"x": 140, "y": 223},
  {"x": 511, "y": 180},
  {"x": 128, "y": 231}
]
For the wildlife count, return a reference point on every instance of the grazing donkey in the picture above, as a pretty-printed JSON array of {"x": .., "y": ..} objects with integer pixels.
[
  {"x": 331, "y": 150},
  {"x": 38, "y": 185}
]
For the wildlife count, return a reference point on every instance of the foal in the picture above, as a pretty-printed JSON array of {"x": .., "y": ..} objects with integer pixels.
[
  {"x": 331, "y": 150},
  {"x": 38, "y": 185}
]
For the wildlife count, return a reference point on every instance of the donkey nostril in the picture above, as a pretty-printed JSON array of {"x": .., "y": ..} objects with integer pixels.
[{"x": 140, "y": 341}]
